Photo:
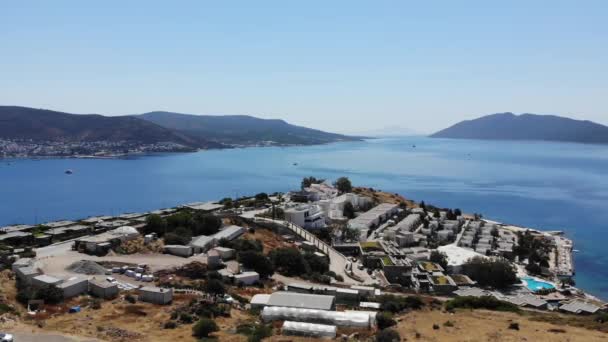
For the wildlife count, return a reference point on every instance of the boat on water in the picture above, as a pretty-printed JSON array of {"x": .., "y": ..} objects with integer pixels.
[{"x": 69, "y": 171}]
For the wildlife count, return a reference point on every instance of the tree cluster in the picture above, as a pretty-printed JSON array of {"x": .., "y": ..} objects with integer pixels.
[
  {"x": 496, "y": 273},
  {"x": 180, "y": 227},
  {"x": 343, "y": 185},
  {"x": 308, "y": 181}
]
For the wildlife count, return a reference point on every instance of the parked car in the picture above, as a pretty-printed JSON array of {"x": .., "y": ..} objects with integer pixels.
[{"x": 6, "y": 337}]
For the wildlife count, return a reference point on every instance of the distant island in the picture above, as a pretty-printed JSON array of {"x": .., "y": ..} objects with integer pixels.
[
  {"x": 508, "y": 126},
  {"x": 28, "y": 132}
]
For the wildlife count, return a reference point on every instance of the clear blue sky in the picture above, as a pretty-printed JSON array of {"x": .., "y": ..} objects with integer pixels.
[{"x": 337, "y": 65}]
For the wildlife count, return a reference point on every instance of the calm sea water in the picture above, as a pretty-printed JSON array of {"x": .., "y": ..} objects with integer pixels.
[{"x": 535, "y": 184}]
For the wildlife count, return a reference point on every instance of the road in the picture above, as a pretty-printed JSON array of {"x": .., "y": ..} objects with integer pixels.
[
  {"x": 49, "y": 337},
  {"x": 337, "y": 261}
]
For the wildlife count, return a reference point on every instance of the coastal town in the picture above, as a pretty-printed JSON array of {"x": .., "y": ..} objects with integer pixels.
[
  {"x": 23, "y": 148},
  {"x": 328, "y": 260}
]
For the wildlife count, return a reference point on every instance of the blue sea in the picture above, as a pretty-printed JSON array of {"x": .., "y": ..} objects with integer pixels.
[{"x": 552, "y": 186}]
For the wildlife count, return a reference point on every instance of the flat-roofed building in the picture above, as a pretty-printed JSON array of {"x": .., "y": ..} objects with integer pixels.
[
  {"x": 45, "y": 280},
  {"x": 302, "y": 301},
  {"x": 155, "y": 295},
  {"x": 580, "y": 307},
  {"x": 373, "y": 217},
  {"x": 26, "y": 274},
  {"x": 205, "y": 207},
  {"x": 103, "y": 288},
  {"x": 308, "y": 216},
  {"x": 74, "y": 286},
  {"x": 179, "y": 250},
  {"x": 22, "y": 262},
  {"x": 246, "y": 278}
]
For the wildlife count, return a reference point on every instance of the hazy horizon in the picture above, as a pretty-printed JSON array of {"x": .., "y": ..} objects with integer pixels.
[{"x": 340, "y": 66}]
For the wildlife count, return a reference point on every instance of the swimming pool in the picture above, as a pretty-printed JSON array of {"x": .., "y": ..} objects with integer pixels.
[{"x": 535, "y": 285}]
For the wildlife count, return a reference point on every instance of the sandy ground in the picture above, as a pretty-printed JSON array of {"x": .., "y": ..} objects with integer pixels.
[
  {"x": 480, "y": 325},
  {"x": 53, "y": 260}
]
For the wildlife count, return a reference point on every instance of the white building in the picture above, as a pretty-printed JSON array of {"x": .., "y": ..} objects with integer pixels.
[
  {"x": 309, "y": 216},
  {"x": 246, "y": 278},
  {"x": 373, "y": 218}
]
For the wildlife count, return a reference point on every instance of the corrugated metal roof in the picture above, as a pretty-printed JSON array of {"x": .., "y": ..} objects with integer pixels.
[{"x": 301, "y": 300}]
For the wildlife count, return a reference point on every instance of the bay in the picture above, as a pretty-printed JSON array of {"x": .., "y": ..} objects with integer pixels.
[{"x": 544, "y": 185}]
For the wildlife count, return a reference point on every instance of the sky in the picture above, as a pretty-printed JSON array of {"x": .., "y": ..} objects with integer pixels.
[{"x": 343, "y": 66}]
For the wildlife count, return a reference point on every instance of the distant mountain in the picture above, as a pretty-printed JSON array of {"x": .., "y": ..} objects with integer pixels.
[
  {"x": 508, "y": 126},
  {"x": 47, "y": 125},
  {"x": 242, "y": 130}
]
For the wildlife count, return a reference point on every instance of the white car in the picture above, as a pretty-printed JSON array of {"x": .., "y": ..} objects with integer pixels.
[
  {"x": 6, "y": 337},
  {"x": 111, "y": 280}
]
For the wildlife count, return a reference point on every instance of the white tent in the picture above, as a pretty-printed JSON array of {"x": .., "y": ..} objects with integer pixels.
[
  {"x": 309, "y": 329},
  {"x": 345, "y": 319}
]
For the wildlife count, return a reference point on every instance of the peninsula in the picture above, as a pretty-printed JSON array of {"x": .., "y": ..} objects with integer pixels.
[
  {"x": 30, "y": 132},
  {"x": 290, "y": 260}
]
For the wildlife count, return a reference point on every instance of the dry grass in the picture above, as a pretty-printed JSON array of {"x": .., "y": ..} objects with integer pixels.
[
  {"x": 481, "y": 325},
  {"x": 384, "y": 197}
]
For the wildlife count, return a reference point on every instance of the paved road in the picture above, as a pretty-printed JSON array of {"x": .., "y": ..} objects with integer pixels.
[{"x": 50, "y": 337}]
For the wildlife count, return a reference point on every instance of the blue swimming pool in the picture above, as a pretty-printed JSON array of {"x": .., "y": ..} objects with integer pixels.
[{"x": 535, "y": 285}]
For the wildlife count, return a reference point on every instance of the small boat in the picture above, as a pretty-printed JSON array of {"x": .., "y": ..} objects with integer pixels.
[
  {"x": 295, "y": 164},
  {"x": 69, "y": 171},
  {"x": 575, "y": 250},
  {"x": 414, "y": 146}
]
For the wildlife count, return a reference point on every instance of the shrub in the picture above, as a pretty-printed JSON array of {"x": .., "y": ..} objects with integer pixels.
[
  {"x": 186, "y": 318},
  {"x": 129, "y": 298},
  {"x": 435, "y": 326},
  {"x": 388, "y": 335},
  {"x": 170, "y": 325},
  {"x": 95, "y": 303},
  {"x": 385, "y": 320},
  {"x": 485, "y": 302},
  {"x": 448, "y": 324},
  {"x": 514, "y": 326},
  {"x": 204, "y": 327},
  {"x": 397, "y": 304},
  {"x": 254, "y": 332}
]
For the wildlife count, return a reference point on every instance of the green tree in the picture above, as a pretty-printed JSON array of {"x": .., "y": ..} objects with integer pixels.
[
  {"x": 204, "y": 327},
  {"x": 387, "y": 335},
  {"x": 51, "y": 294},
  {"x": 289, "y": 261},
  {"x": 385, "y": 320},
  {"x": 308, "y": 181},
  {"x": 262, "y": 196},
  {"x": 343, "y": 185},
  {"x": 439, "y": 258},
  {"x": 180, "y": 236},
  {"x": 497, "y": 273},
  {"x": 257, "y": 261},
  {"x": 215, "y": 287},
  {"x": 350, "y": 234},
  {"x": 349, "y": 210},
  {"x": 316, "y": 263},
  {"x": 155, "y": 224},
  {"x": 206, "y": 224}
]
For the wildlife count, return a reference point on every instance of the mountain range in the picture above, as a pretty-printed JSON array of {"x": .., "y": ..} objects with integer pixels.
[
  {"x": 23, "y": 123},
  {"x": 241, "y": 129},
  {"x": 509, "y": 126}
]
